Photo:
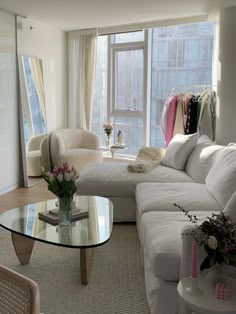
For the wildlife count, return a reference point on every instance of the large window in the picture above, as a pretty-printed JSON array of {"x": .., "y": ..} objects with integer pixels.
[{"x": 137, "y": 71}]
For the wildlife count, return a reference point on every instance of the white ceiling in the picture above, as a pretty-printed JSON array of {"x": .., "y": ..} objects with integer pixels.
[{"x": 79, "y": 14}]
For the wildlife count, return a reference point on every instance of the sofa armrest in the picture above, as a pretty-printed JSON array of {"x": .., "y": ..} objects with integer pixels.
[{"x": 186, "y": 253}]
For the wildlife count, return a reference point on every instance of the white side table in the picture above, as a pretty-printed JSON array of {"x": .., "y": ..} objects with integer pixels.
[
  {"x": 206, "y": 303},
  {"x": 112, "y": 149}
]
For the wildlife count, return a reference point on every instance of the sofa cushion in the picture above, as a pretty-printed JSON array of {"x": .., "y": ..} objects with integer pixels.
[
  {"x": 109, "y": 179},
  {"x": 221, "y": 179},
  {"x": 201, "y": 159},
  {"x": 161, "y": 239},
  {"x": 178, "y": 150},
  {"x": 160, "y": 197}
]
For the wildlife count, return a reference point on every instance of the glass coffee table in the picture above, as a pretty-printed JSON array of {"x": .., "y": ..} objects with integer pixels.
[{"x": 84, "y": 234}]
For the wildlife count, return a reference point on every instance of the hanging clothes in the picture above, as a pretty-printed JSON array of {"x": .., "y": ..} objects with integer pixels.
[
  {"x": 187, "y": 114},
  {"x": 191, "y": 124},
  {"x": 206, "y": 124},
  {"x": 165, "y": 114},
  {"x": 179, "y": 123},
  {"x": 185, "y": 102},
  {"x": 171, "y": 119}
]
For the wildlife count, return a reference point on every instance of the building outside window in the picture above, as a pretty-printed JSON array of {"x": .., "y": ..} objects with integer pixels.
[{"x": 137, "y": 71}]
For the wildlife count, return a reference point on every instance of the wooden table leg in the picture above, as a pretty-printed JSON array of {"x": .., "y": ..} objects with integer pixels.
[
  {"x": 85, "y": 264},
  {"x": 23, "y": 247}
]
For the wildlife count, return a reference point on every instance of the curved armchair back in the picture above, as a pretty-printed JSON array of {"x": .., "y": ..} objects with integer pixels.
[
  {"x": 64, "y": 140},
  {"x": 35, "y": 141}
]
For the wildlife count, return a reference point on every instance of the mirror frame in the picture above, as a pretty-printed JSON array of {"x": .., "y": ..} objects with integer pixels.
[{"x": 24, "y": 101}]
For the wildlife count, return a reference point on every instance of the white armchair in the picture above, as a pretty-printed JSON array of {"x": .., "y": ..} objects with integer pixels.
[
  {"x": 77, "y": 147},
  {"x": 33, "y": 155}
]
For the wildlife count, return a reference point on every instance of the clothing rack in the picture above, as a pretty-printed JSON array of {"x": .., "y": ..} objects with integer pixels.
[
  {"x": 189, "y": 111},
  {"x": 192, "y": 88}
]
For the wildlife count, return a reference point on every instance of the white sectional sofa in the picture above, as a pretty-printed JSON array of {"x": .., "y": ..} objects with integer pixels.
[
  {"x": 204, "y": 185},
  {"x": 114, "y": 181}
]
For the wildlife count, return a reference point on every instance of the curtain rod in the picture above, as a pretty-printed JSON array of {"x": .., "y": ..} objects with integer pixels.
[{"x": 14, "y": 13}]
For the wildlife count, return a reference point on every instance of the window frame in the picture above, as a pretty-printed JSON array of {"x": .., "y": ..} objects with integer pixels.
[{"x": 112, "y": 112}]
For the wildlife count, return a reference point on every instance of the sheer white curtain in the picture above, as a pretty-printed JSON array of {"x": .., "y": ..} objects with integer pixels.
[
  {"x": 37, "y": 75},
  {"x": 82, "y": 52}
]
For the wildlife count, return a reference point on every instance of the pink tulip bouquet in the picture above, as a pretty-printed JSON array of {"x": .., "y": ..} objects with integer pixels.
[{"x": 61, "y": 180}]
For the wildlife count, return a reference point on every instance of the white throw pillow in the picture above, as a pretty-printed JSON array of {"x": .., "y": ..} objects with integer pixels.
[
  {"x": 202, "y": 158},
  {"x": 230, "y": 208},
  {"x": 221, "y": 179},
  {"x": 178, "y": 150}
]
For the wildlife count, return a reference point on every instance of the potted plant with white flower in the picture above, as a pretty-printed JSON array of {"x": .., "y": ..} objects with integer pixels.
[
  {"x": 61, "y": 182},
  {"x": 217, "y": 234}
]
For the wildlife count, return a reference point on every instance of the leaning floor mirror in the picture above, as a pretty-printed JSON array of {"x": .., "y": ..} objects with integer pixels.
[{"x": 32, "y": 117}]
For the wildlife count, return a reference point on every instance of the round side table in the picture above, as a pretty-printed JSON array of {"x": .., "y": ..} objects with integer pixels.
[
  {"x": 112, "y": 149},
  {"x": 206, "y": 303}
]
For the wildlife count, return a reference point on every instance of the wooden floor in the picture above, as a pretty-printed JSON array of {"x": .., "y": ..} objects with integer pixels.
[{"x": 23, "y": 196}]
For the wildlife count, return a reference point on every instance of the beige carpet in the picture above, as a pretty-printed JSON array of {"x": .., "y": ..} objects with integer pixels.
[{"x": 116, "y": 283}]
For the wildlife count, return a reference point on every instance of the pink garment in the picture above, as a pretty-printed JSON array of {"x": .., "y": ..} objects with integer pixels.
[{"x": 171, "y": 119}]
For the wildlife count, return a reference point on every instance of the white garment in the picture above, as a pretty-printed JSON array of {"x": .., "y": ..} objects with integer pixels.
[
  {"x": 164, "y": 115},
  {"x": 82, "y": 52},
  {"x": 179, "y": 122},
  {"x": 206, "y": 122}
]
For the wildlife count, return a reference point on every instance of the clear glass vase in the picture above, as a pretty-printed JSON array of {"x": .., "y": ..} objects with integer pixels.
[
  {"x": 108, "y": 141},
  {"x": 65, "y": 205}
]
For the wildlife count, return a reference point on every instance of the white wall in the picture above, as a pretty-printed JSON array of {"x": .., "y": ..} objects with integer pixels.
[
  {"x": 49, "y": 44},
  {"x": 42, "y": 41},
  {"x": 226, "y": 102},
  {"x": 10, "y": 161}
]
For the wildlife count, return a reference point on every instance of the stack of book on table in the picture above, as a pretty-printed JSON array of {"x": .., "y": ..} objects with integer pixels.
[
  {"x": 117, "y": 146},
  {"x": 51, "y": 216}
]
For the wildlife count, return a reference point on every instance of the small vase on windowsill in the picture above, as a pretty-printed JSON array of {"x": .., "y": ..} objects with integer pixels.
[{"x": 108, "y": 141}]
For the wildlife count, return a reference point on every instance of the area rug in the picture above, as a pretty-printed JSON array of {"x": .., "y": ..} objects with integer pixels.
[{"x": 116, "y": 282}]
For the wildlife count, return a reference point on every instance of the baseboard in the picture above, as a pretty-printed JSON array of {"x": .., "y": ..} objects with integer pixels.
[{"x": 12, "y": 187}]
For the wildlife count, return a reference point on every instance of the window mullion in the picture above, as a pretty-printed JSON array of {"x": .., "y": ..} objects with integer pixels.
[
  {"x": 147, "y": 87},
  {"x": 109, "y": 80}
]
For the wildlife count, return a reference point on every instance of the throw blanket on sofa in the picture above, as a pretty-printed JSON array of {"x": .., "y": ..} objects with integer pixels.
[{"x": 147, "y": 159}]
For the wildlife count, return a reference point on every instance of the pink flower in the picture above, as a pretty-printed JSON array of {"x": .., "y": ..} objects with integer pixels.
[
  {"x": 65, "y": 166},
  {"x": 55, "y": 170}
]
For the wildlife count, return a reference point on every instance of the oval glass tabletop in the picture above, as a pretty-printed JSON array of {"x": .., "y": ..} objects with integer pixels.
[{"x": 91, "y": 231}]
